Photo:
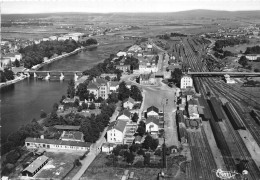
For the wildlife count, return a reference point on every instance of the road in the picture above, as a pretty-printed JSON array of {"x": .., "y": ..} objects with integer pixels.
[{"x": 94, "y": 150}]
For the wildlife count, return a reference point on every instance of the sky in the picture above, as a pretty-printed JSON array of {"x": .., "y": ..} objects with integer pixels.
[{"x": 105, "y": 6}]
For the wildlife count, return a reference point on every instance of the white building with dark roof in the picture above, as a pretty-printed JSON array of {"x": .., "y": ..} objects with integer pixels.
[
  {"x": 186, "y": 81},
  {"x": 129, "y": 103},
  {"x": 35, "y": 143},
  {"x": 152, "y": 112},
  {"x": 152, "y": 125},
  {"x": 124, "y": 115},
  {"x": 116, "y": 132}
]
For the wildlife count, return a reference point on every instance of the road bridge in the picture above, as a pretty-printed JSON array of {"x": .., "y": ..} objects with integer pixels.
[
  {"x": 238, "y": 74},
  {"x": 47, "y": 74}
]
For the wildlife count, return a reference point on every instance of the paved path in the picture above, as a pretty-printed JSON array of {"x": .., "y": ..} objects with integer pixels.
[{"x": 94, "y": 150}]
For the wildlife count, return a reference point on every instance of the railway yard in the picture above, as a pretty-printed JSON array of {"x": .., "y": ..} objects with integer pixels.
[{"x": 231, "y": 115}]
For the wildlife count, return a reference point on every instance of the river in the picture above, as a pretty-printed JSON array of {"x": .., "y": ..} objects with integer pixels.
[{"x": 23, "y": 101}]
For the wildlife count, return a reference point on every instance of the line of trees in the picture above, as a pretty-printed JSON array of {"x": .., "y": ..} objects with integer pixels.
[
  {"x": 105, "y": 67},
  {"x": 124, "y": 93},
  {"x": 253, "y": 50},
  {"x": 6, "y": 75},
  {"x": 33, "y": 55},
  {"x": 92, "y": 126},
  {"x": 219, "y": 44}
]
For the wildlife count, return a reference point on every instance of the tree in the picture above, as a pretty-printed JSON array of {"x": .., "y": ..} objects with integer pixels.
[
  {"x": 99, "y": 100},
  {"x": 82, "y": 91},
  {"x": 112, "y": 98},
  {"x": 135, "y": 93},
  {"x": 154, "y": 144},
  {"x": 134, "y": 147},
  {"x": 135, "y": 117},
  {"x": 140, "y": 130},
  {"x": 92, "y": 97},
  {"x": 71, "y": 89},
  {"x": 80, "y": 108},
  {"x": 256, "y": 70},
  {"x": 176, "y": 76},
  {"x": 43, "y": 114},
  {"x": 130, "y": 157},
  {"x": 2, "y": 76},
  {"x": 92, "y": 106},
  {"x": 141, "y": 152},
  {"x": 62, "y": 98},
  {"x": 148, "y": 142},
  {"x": 17, "y": 63},
  {"x": 243, "y": 61},
  {"x": 9, "y": 75},
  {"x": 107, "y": 78},
  {"x": 76, "y": 103},
  {"x": 147, "y": 158},
  {"x": 123, "y": 91},
  {"x": 55, "y": 106},
  {"x": 84, "y": 105}
]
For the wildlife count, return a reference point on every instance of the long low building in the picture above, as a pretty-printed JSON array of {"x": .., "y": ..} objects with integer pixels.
[
  {"x": 33, "y": 143},
  {"x": 35, "y": 166}
]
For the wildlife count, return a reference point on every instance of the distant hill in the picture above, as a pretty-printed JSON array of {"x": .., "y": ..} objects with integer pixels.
[{"x": 191, "y": 14}]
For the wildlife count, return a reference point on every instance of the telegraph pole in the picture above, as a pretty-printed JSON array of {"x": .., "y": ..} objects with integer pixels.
[{"x": 164, "y": 146}]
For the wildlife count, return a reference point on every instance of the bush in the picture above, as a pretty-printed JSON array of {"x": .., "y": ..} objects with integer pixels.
[
  {"x": 43, "y": 114},
  {"x": 77, "y": 162},
  {"x": 257, "y": 70},
  {"x": 82, "y": 157}
]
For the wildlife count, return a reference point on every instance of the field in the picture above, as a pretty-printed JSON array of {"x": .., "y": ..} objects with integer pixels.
[
  {"x": 98, "y": 170},
  {"x": 242, "y": 47}
]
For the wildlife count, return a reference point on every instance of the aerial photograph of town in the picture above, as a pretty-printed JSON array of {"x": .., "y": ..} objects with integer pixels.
[{"x": 130, "y": 90}]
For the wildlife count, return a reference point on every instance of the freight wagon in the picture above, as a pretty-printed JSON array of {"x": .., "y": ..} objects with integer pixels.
[
  {"x": 255, "y": 116},
  {"x": 234, "y": 117},
  {"x": 216, "y": 109}
]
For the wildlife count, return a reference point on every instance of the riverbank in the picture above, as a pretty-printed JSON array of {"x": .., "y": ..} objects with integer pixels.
[
  {"x": 38, "y": 66},
  {"x": 15, "y": 80}
]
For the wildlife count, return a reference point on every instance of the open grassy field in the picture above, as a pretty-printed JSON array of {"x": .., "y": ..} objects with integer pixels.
[
  {"x": 98, "y": 170},
  {"x": 242, "y": 47}
]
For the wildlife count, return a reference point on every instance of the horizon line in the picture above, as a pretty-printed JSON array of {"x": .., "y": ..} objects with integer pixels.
[{"x": 160, "y": 12}]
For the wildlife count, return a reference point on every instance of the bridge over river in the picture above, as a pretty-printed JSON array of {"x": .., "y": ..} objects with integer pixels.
[{"x": 48, "y": 74}]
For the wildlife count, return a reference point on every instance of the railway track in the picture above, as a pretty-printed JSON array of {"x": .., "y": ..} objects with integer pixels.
[{"x": 191, "y": 58}]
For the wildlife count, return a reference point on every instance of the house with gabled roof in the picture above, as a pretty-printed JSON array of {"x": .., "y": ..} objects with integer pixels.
[
  {"x": 116, "y": 132},
  {"x": 113, "y": 86},
  {"x": 93, "y": 88},
  {"x": 129, "y": 103},
  {"x": 152, "y": 125},
  {"x": 124, "y": 115},
  {"x": 152, "y": 111}
]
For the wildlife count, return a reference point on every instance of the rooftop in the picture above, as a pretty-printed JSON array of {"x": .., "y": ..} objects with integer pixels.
[
  {"x": 58, "y": 142},
  {"x": 153, "y": 120},
  {"x": 66, "y": 127},
  {"x": 153, "y": 108},
  {"x": 125, "y": 112},
  {"x": 72, "y": 135},
  {"x": 118, "y": 124},
  {"x": 36, "y": 164},
  {"x": 129, "y": 100}
]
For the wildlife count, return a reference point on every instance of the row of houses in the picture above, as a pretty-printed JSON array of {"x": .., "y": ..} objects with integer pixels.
[{"x": 123, "y": 129}]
